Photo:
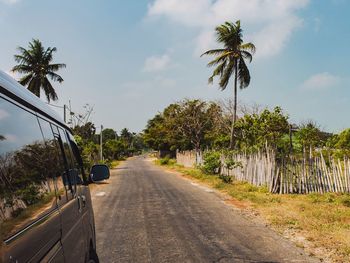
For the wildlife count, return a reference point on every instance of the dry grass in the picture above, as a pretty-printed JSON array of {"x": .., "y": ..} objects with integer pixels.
[{"x": 318, "y": 223}]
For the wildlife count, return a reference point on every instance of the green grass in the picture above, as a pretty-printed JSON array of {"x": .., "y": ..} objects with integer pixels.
[
  {"x": 323, "y": 220},
  {"x": 115, "y": 163}
]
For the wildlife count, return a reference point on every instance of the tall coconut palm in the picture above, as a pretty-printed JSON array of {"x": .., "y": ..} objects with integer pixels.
[
  {"x": 35, "y": 63},
  {"x": 230, "y": 61}
]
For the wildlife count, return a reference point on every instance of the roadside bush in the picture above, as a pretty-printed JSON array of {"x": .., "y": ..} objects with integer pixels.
[
  {"x": 211, "y": 162},
  {"x": 229, "y": 163},
  {"x": 227, "y": 179},
  {"x": 164, "y": 161}
]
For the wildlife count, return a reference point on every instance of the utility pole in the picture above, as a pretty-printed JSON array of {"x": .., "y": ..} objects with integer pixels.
[
  {"x": 64, "y": 113},
  {"x": 290, "y": 138},
  {"x": 101, "y": 156},
  {"x": 70, "y": 114}
]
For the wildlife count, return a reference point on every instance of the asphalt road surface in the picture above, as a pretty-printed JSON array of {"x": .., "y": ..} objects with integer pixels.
[{"x": 145, "y": 214}]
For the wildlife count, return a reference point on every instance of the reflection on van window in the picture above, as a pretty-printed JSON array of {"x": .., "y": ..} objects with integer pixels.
[
  {"x": 27, "y": 170},
  {"x": 74, "y": 170},
  {"x": 63, "y": 186}
]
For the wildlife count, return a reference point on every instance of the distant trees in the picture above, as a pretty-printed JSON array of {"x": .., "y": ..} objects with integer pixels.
[
  {"x": 86, "y": 131},
  {"x": 188, "y": 124},
  {"x": 36, "y": 63},
  {"x": 201, "y": 125},
  {"x": 255, "y": 131},
  {"x": 198, "y": 125},
  {"x": 310, "y": 136},
  {"x": 343, "y": 140},
  {"x": 230, "y": 61},
  {"x": 114, "y": 147},
  {"x": 109, "y": 134}
]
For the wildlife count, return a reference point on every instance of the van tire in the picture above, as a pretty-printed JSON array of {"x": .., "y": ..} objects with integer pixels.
[{"x": 93, "y": 257}]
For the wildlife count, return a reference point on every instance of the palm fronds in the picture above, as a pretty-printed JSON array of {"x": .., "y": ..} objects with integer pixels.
[
  {"x": 231, "y": 60},
  {"x": 35, "y": 64}
]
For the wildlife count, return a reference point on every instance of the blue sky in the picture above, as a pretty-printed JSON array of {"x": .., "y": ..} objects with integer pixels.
[{"x": 130, "y": 59}]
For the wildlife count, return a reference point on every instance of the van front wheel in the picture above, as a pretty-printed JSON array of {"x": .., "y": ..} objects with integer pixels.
[{"x": 93, "y": 258}]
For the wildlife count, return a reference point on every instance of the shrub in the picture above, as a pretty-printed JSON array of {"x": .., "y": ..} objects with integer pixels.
[
  {"x": 211, "y": 162},
  {"x": 164, "y": 161},
  {"x": 227, "y": 179}
]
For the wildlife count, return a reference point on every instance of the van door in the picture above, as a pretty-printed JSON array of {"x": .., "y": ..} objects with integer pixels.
[
  {"x": 84, "y": 196},
  {"x": 73, "y": 239},
  {"x": 30, "y": 228}
]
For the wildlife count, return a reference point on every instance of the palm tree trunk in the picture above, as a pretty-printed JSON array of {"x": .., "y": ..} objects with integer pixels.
[{"x": 234, "y": 118}]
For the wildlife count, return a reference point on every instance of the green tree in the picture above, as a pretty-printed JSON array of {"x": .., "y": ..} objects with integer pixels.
[
  {"x": 36, "y": 63},
  {"x": 186, "y": 125},
  {"x": 108, "y": 134},
  {"x": 255, "y": 130},
  {"x": 126, "y": 135},
  {"x": 343, "y": 140},
  {"x": 230, "y": 61},
  {"x": 86, "y": 131},
  {"x": 155, "y": 133},
  {"x": 309, "y": 135}
]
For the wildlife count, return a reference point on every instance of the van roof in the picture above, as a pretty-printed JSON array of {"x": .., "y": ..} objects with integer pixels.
[{"x": 16, "y": 91}]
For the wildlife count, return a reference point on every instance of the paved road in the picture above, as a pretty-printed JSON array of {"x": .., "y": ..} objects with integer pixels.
[{"x": 147, "y": 215}]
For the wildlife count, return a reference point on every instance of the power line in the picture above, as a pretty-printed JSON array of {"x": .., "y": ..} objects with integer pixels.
[{"x": 57, "y": 106}]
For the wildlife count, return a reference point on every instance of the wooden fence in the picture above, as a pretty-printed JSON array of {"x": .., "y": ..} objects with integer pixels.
[
  {"x": 312, "y": 175},
  {"x": 189, "y": 158},
  {"x": 258, "y": 169},
  {"x": 284, "y": 176}
]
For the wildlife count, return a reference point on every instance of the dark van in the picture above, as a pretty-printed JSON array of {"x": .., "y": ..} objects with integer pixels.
[{"x": 45, "y": 204}]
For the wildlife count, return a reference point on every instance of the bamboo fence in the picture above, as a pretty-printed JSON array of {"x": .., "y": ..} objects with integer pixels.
[{"x": 287, "y": 175}]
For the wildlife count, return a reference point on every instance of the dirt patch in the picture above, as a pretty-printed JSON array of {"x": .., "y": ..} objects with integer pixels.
[{"x": 237, "y": 203}]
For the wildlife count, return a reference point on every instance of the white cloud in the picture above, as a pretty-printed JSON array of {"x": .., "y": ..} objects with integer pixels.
[
  {"x": 157, "y": 63},
  {"x": 320, "y": 81},
  {"x": 269, "y": 23},
  {"x": 9, "y": 2}
]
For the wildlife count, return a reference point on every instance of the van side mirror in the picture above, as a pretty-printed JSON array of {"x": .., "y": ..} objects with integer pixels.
[{"x": 99, "y": 172}]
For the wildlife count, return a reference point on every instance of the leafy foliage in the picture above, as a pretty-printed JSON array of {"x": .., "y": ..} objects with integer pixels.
[
  {"x": 253, "y": 132},
  {"x": 188, "y": 124},
  {"x": 343, "y": 140},
  {"x": 36, "y": 63},
  {"x": 114, "y": 147},
  {"x": 211, "y": 162}
]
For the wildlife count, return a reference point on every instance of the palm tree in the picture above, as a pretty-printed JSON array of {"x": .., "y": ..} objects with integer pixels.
[
  {"x": 35, "y": 63},
  {"x": 230, "y": 61}
]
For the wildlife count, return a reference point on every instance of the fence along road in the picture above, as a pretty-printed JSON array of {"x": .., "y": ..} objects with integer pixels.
[
  {"x": 288, "y": 176},
  {"x": 145, "y": 214}
]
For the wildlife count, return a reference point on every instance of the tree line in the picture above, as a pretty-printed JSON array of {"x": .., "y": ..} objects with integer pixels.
[
  {"x": 114, "y": 146},
  {"x": 206, "y": 125}
]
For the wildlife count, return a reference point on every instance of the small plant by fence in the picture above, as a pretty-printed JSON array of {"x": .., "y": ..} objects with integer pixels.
[
  {"x": 257, "y": 169},
  {"x": 284, "y": 176}
]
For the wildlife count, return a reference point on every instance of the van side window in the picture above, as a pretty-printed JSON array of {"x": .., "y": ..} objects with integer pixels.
[
  {"x": 77, "y": 160},
  {"x": 59, "y": 170},
  {"x": 27, "y": 164},
  {"x": 74, "y": 171}
]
